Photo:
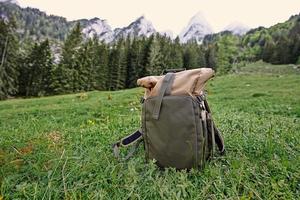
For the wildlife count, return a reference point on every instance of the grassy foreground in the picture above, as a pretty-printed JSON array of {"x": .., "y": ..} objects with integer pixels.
[{"x": 59, "y": 147}]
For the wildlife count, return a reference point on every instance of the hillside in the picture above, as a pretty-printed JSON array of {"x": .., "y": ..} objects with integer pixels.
[
  {"x": 60, "y": 147},
  {"x": 35, "y": 24},
  {"x": 279, "y": 44}
]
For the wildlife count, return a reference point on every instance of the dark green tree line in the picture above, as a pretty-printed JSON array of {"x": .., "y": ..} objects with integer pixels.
[{"x": 29, "y": 69}]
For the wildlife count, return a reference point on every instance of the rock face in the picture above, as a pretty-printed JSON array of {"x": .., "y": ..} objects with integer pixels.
[
  {"x": 140, "y": 27},
  {"x": 100, "y": 28},
  {"x": 196, "y": 29},
  {"x": 237, "y": 28}
]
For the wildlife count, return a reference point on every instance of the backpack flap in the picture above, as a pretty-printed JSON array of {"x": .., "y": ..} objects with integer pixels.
[{"x": 189, "y": 82}]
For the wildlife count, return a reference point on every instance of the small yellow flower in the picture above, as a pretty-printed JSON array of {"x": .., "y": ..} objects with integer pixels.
[{"x": 91, "y": 122}]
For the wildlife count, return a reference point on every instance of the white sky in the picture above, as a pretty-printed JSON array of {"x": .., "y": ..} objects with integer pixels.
[{"x": 172, "y": 14}]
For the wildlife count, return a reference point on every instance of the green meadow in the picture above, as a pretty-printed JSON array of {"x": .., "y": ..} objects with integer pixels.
[{"x": 59, "y": 147}]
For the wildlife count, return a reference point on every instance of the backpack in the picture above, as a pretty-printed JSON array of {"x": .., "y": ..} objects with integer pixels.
[{"x": 177, "y": 128}]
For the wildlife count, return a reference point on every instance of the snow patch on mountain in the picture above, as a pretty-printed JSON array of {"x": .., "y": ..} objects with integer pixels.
[
  {"x": 167, "y": 33},
  {"x": 196, "y": 29},
  {"x": 140, "y": 27},
  {"x": 4, "y": 18},
  {"x": 10, "y": 1},
  {"x": 100, "y": 28},
  {"x": 237, "y": 28}
]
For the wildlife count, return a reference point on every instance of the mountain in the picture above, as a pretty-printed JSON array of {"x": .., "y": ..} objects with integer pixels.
[
  {"x": 10, "y": 1},
  {"x": 34, "y": 24},
  {"x": 237, "y": 28},
  {"x": 167, "y": 33},
  {"x": 100, "y": 28},
  {"x": 196, "y": 29},
  {"x": 37, "y": 25},
  {"x": 140, "y": 27}
]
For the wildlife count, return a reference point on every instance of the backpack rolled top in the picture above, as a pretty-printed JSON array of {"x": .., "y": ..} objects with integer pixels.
[
  {"x": 177, "y": 128},
  {"x": 189, "y": 82}
]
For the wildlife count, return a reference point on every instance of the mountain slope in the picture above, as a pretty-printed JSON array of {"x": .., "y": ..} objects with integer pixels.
[
  {"x": 100, "y": 28},
  {"x": 167, "y": 33},
  {"x": 140, "y": 27},
  {"x": 37, "y": 25},
  {"x": 237, "y": 28},
  {"x": 196, "y": 29},
  {"x": 10, "y": 1},
  {"x": 34, "y": 24}
]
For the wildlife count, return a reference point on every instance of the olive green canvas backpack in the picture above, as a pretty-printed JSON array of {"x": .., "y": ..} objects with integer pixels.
[{"x": 177, "y": 127}]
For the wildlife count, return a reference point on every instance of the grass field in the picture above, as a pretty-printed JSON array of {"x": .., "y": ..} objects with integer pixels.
[{"x": 60, "y": 147}]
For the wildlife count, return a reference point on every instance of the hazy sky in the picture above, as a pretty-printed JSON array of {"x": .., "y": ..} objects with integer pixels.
[{"x": 172, "y": 14}]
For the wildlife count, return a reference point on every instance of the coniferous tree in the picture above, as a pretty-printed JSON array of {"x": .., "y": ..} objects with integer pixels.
[
  {"x": 145, "y": 44},
  {"x": 117, "y": 67},
  {"x": 282, "y": 52},
  {"x": 48, "y": 74},
  {"x": 201, "y": 61},
  {"x": 227, "y": 51},
  {"x": 95, "y": 63},
  {"x": 67, "y": 72},
  {"x": 37, "y": 72},
  {"x": 190, "y": 57},
  {"x": 122, "y": 65},
  {"x": 294, "y": 36},
  {"x": 154, "y": 60},
  {"x": 112, "y": 68},
  {"x": 295, "y": 49},
  {"x": 165, "y": 51},
  {"x": 135, "y": 64},
  {"x": 176, "y": 54},
  {"x": 8, "y": 59},
  {"x": 85, "y": 65},
  {"x": 268, "y": 51},
  {"x": 211, "y": 57},
  {"x": 101, "y": 66}
]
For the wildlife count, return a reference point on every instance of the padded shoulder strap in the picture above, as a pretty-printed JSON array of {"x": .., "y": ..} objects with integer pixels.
[{"x": 133, "y": 140}]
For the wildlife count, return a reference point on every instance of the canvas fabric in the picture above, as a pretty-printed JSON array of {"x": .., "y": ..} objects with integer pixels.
[{"x": 189, "y": 82}]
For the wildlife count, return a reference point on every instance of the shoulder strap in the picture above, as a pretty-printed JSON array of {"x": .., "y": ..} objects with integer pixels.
[
  {"x": 219, "y": 139},
  {"x": 133, "y": 140},
  {"x": 167, "y": 83},
  {"x": 217, "y": 135},
  {"x": 173, "y": 70}
]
